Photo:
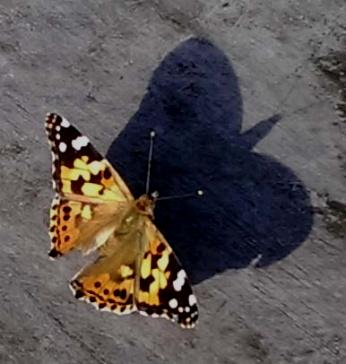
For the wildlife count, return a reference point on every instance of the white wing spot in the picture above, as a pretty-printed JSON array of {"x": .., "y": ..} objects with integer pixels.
[
  {"x": 65, "y": 123},
  {"x": 180, "y": 309},
  {"x": 173, "y": 303},
  {"x": 187, "y": 309},
  {"x": 80, "y": 142},
  {"x": 180, "y": 280},
  {"x": 57, "y": 137},
  {"x": 58, "y": 128},
  {"x": 62, "y": 147},
  {"x": 192, "y": 300}
]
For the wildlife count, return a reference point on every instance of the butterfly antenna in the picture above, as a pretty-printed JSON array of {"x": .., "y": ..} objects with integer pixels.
[
  {"x": 150, "y": 157},
  {"x": 192, "y": 194}
]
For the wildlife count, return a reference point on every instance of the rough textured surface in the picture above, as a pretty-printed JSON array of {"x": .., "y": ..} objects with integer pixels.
[{"x": 247, "y": 100}]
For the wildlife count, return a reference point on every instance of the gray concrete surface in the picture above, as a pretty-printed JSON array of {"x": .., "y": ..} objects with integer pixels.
[{"x": 92, "y": 61}]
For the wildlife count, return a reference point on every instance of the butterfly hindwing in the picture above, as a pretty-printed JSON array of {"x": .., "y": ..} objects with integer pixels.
[
  {"x": 109, "y": 283},
  {"x": 164, "y": 289},
  {"x": 81, "y": 225},
  {"x": 63, "y": 230},
  {"x": 105, "y": 292}
]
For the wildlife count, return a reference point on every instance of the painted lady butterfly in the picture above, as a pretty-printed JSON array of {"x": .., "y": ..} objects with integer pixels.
[{"x": 93, "y": 209}]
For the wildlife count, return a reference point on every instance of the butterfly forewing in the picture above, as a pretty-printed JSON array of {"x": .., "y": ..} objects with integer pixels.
[
  {"x": 85, "y": 185},
  {"x": 164, "y": 289},
  {"x": 78, "y": 169}
]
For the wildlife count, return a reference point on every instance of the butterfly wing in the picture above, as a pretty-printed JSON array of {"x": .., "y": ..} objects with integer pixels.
[
  {"x": 90, "y": 194},
  {"x": 138, "y": 272},
  {"x": 109, "y": 283},
  {"x": 163, "y": 288}
]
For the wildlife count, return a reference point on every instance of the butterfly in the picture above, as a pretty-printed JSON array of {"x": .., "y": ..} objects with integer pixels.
[{"x": 94, "y": 210}]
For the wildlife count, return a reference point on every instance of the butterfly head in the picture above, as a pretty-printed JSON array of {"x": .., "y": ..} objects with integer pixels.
[{"x": 146, "y": 204}]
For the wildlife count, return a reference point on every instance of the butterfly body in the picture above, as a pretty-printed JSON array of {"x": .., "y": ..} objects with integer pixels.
[{"x": 94, "y": 211}]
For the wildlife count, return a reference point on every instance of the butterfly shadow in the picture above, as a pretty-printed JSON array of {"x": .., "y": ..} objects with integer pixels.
[{"x": 254, "y": 207}]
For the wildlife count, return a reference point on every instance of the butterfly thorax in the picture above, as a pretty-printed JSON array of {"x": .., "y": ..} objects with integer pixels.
[
  {"x": 133, "y": 217},
  {"x": 145, "y": 205}
]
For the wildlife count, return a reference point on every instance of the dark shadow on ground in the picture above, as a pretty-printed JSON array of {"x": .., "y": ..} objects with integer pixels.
[{"x": 253, "y": 205}]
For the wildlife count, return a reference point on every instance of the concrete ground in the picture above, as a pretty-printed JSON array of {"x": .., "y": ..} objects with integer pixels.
[{"x": 248, "y": 101}]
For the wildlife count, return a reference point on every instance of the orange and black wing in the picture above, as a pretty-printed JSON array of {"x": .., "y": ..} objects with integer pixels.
[
  {"x": 88, "y": 190},
  {"x": 163, "y": 288}
]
